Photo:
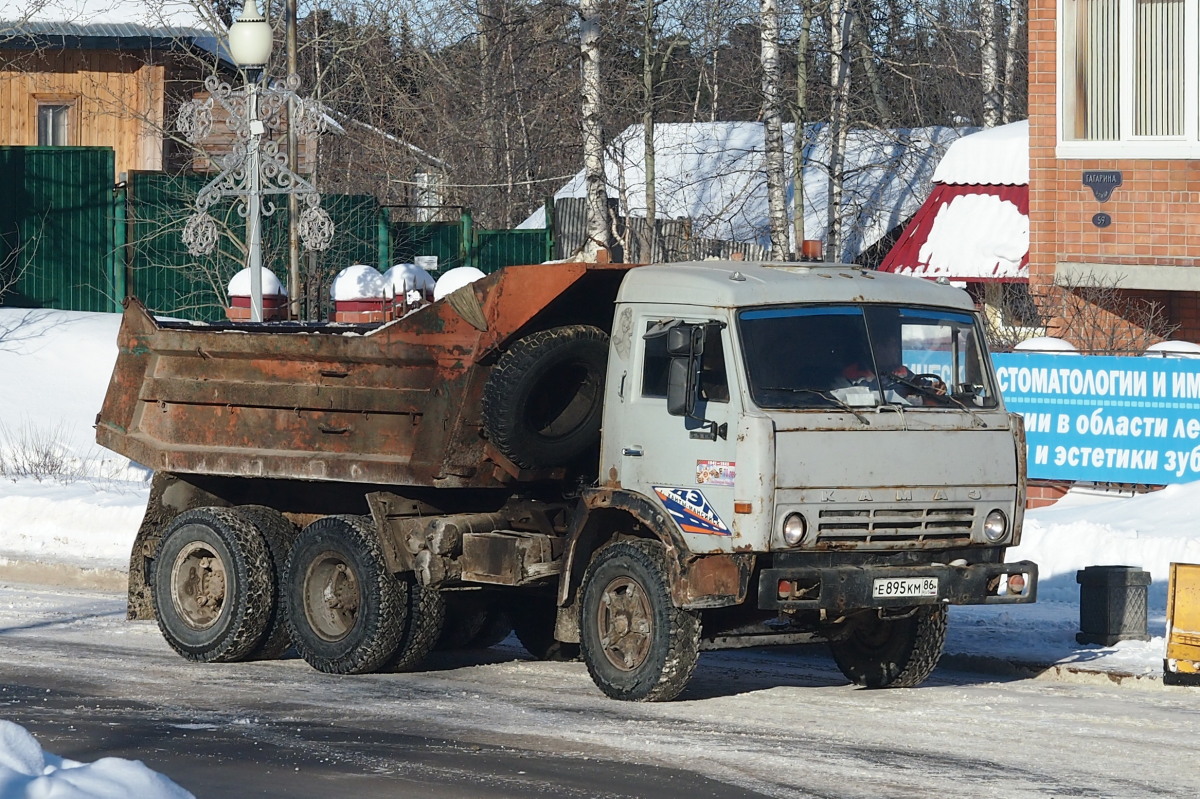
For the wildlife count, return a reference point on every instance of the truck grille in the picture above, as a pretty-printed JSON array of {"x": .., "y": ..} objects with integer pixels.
[{"x": 856, "y": 527}]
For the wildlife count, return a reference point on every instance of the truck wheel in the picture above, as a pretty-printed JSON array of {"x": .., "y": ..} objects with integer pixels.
[
  {"x": 496, "y": 627},
  {"x": 280, "y": 534},
  {"x": 465, "y": 616},
  {"x": 346, "y": 611},
  {"x": 636, "y": 643},
  {"x": 213, "y": 585},
  {"x": 892, "y": 653},
  {"x": 474, "y": 620},
  {"x": 533, "y": 617},
  {"x": 425, "y": 615},
  {"x": 542, "y": 401}
]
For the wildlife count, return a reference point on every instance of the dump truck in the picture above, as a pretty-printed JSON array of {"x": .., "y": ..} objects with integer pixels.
[{"x": 623, "y": 464}]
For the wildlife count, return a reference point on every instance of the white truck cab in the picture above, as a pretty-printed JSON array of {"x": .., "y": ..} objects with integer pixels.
[{"x": 839, "y": 428}]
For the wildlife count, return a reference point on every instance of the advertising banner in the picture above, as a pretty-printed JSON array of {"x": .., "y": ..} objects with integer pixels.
[{"x": 1106, "y": 418}]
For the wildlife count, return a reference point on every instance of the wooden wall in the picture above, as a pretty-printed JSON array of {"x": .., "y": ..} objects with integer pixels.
[
  {"x": 209, "y": 153},
  {"x": 117, "y": 100}
]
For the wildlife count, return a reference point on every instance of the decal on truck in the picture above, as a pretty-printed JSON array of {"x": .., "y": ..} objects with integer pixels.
[
  {"x": 716, "y": 473},
  {"x": 691, "y": 510}
]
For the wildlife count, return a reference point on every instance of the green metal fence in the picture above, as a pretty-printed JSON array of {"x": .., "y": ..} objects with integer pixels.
[
  {"x": 56, "y": 228},
  {"x": 444, "y": 240},
  {"x": 69, "y": 240},
  {"x": 460, "y": 243},
  {"x": 498, "y": 248},
  {"x": 169, "y": 280}
]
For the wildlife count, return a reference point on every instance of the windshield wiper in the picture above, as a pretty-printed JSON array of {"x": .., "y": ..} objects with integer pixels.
[
  {"x": 825, "y": 395},
  {"x": 927, "y": 389}
]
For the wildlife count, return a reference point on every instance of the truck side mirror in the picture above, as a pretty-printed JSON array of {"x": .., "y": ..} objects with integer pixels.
[{"x": 685, "y": 345}]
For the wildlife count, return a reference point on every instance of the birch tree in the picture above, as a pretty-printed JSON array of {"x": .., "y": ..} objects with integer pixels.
[
  {"x": 598, "y": 236},
  {"x": 839, "y": 121},
  {"x": 799, "y": 121},
  {"x": 989, "y": 70},
  {"x": 1013, "y": 52},
  {"x": 772, "y": 117},
  {"x": 648, "y": 82}
]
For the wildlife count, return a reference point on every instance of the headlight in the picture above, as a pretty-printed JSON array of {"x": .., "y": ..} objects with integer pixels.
[
  {"x": 794, "y": 528},
  {"x": 995, "y": 526}
]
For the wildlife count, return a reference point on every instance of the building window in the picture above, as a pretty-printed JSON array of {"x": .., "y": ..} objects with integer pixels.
[
  {"x": 1128, "y": 75},
  {"x": 53, "y": 125}
]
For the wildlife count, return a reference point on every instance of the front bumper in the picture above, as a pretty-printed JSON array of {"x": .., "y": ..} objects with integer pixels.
[{"x": 843, "y": 588}]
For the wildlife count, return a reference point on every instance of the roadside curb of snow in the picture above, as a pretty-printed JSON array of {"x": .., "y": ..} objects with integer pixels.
[
  {"x": 1058, "y": 672},
  {"x": 62, "y": 575}
]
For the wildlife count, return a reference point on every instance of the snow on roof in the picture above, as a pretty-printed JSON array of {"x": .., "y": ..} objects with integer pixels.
[
  {"x": 150, "y": 14},
  {"x": 713, "y": 173},
  {"x": 966, "y": 233},
  {"x": 995, "y": 156},
  {"x": 185, "y": 21}
]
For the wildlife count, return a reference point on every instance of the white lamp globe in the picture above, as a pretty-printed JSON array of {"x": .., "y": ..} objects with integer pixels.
[{"x": 250, "y": 37}]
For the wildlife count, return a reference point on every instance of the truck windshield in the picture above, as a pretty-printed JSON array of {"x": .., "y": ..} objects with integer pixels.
[{"x": 865, "y": 355}]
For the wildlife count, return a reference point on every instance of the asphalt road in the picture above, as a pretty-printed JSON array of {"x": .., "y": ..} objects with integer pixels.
[{"x": 780, "y": 723}]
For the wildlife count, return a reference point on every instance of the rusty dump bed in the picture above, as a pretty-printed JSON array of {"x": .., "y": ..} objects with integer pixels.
[{"x": 397, "y": 404}]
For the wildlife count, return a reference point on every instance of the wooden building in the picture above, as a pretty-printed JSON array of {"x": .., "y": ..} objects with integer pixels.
[{"x": 113, "y": 84}]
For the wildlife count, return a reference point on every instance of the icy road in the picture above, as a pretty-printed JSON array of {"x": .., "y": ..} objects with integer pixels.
[{"x": 778, "y": 722}]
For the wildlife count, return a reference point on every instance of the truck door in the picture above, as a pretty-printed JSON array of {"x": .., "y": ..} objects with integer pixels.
[{"x": 687, "y": 465}]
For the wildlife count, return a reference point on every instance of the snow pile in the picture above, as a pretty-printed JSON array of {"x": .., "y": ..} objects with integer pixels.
[
  {"x": 1146, "y": 531},
  {"x": 271, "y": 287},
  {"x": 56, "y": 367},
  {"x": 455, "y": 279},
  {"x": 403, "y": 278},
  {"x": 28, "y": 772},
  {"x": 997, "y": 156},
  {"x": 359, "y": 282},
  {"x": 1149, "y": 531}
]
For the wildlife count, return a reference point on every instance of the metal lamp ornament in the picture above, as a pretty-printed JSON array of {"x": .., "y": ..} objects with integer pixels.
[{"x": 254, "y": 167}]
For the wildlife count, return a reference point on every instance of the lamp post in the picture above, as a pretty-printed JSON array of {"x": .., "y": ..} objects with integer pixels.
[
  {"x": 254, "y": 167},
  {"x": 250, "y": 46}
]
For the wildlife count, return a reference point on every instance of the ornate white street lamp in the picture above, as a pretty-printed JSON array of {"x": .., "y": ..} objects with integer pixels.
[{"x": 253, "y": 167}]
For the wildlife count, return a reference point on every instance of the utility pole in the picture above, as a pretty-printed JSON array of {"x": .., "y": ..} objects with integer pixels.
[{"x": 294, "y": 298}]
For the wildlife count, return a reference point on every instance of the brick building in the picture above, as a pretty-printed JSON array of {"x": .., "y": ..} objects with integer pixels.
[{"x": 1114, "y": 106}]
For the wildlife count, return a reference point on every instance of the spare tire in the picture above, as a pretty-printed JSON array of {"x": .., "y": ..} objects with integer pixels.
[{"x": 542, "y": 402}]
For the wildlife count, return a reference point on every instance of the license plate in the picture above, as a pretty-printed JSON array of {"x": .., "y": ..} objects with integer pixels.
[{"x": 900, "y": 587}]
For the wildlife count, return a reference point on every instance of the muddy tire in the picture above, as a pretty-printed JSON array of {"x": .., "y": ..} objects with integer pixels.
[
  {"x": 346, "y": 612},
  {"x": 637, "y": 645},
  {"x": 542, "y": 401},
  {"x": 898, "y": 653},
  {"x": 213, "y": 585},
  {"x": 280, "y": 534},
  {"x": 533, "y": 617},
  {"x": 425, "y": 615}
]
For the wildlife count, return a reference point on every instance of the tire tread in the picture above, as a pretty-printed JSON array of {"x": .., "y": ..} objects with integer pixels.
[
  {"x": 252, "y": 576},
  {"x": 683, "y": 627},
  {"x": 506, "y": 392}
]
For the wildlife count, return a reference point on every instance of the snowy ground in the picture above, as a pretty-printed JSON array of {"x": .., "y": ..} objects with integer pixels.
[{"x": 65, "y": 502}]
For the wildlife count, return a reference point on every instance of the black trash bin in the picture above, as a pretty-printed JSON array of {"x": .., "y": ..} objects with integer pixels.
[{"x": 1112, "y": 604}]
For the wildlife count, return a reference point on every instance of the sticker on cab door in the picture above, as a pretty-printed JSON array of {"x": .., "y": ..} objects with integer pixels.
[
  {"x": 716, "y": 473},
  {"x": 691, "y": 510}
]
